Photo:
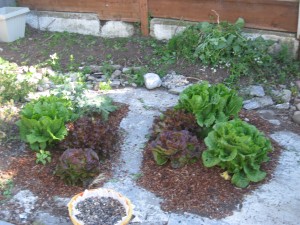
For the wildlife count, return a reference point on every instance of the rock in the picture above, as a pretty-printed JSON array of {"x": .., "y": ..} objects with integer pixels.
[
  {"x": 40, "y": 88},
  {"x": 95, "y": 68},
  {"x": 275, "y": 122},
  {"x": 296, "y": 117},
  {"x": 284, "y": 95},
  {"x": 297, "y": 100},
  {"x": 125, "y": 70},
  {"x": 117, "y": 67},
  {"x": 255, "y": 90},
  {"x": 152, "y": 81},
  {"x": 178, "y": 90},
  {"x": 172, "y": 81},
  {"x": 116, "y": 74},
  {"x": 1, "y": 49},
  {"x": 258, "y": 102},
  {"x": 298, "y": 106},
  {"x": 115, "y": 83},
  {"x": 298, "y": 84},
  {"x": 282, "y": 106},
  {"x": 134, "y": 85},
  {"x": 92, "y": 78}
]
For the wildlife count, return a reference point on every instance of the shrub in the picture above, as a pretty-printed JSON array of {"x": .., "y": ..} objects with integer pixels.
[
  {"x": 43, "y": 121},
  {"x": 77, "y": 165},
  {"x": 239, "y": 148},
  {"x": 180, "y": 147},
  {"x": 12, "y": 86},
  {"x": 210, "y": 103}
]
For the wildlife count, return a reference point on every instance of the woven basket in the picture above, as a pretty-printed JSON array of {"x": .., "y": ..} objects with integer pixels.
[{"x": 100, "y": 192}]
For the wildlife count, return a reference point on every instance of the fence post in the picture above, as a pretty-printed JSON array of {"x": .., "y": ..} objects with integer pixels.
[
  {"x": 144, "y": 17},
  {"x": 298, "y": 30}
]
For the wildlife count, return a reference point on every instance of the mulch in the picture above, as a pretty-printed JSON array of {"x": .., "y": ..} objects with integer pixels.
[{"x": 200, "y": 190}]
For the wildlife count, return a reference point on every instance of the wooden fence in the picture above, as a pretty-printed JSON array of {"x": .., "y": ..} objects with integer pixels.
[{"x": 278, "y": 15}]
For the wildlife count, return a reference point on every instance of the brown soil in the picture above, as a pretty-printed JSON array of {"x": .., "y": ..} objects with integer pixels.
[{"x": 197, "y": 189}]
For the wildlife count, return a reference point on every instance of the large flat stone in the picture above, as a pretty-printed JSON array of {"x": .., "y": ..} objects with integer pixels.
[{"x": 81, "y": 23}]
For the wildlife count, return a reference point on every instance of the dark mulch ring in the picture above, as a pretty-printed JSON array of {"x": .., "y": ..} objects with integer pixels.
[
  {"x": 41, "y": 179},
  {"x": 200, "y": 190}
]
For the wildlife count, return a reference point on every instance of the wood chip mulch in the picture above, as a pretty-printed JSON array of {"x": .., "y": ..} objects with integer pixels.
[
  {"x": 200, "y": 190},
  {"x": 41, "y": 179}
]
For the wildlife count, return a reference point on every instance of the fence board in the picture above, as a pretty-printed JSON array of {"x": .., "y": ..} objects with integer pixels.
[
  {"x": 281, "y": 15},
  {"x": 126, "y": 10},
  {"x": 264, "y": 14}
]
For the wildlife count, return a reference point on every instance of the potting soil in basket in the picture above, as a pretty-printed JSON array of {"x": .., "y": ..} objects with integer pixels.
[{"x": 100, "y": 207}]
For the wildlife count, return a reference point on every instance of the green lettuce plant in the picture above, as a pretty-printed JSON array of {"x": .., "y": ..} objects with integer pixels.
[
  {"x": 180, "y": 147},
  {"x": 240, "y": 149},
  {"x": 76, "y": 165},
  {"x": 43, "y": 121},
  {"x": 210, "y": 103}
]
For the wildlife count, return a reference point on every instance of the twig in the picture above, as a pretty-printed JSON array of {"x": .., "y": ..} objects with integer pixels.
[{"x": 218, "y": 16}]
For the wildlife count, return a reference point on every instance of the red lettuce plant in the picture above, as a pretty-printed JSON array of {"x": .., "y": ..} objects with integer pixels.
[
  {"x": 180, "y": 147},
  {"x": 77, "y": 165},
  {"x": 92, "y": 132}
]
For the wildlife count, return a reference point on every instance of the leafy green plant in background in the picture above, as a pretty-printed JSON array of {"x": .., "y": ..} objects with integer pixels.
[
  {"x": 180, "y": 147},
  {"x": 42, "y": 121},
  {"x": 136, "y": 76},
  {"x": 224, "y": 45},
  {"x": 77, "y": 165},
  {"x": 210, "y": 103},
  {"x": 240, "y": 149},
  {"x": 43, "y": 157}
]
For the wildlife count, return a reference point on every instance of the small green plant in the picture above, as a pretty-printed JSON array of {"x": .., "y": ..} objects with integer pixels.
[
  {"x": 136, "y": 76},
  {"x": 43, "y": 157},
  {"x": 72, "y": 66},
  {"x": 54, "y": 62},
  {"x": 42, "y": 121},
  {"x": 77, "y": 165},
  {"x": 107, "y": 69},
  {"x": 6, "y": 187},
  {"x": 104, "y": 86},
  {"x": 240, "y": 149},
  {"x": 180, "y": 147},
  {"x": 210, "y": 103}
]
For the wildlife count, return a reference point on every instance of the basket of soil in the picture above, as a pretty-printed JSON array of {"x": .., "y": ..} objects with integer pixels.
[{"x": 100, "y": 206}]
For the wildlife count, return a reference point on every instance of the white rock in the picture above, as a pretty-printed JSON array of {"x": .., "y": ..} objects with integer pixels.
[
  {"x": 258, "y": 102},
  {"x": 152, "y": 81},
  {"x": 298, "y": 106},
  {"x": 256, "y": 91},
  {"x": 282, "y": 106},
  {"x": 296, "y": 117}
]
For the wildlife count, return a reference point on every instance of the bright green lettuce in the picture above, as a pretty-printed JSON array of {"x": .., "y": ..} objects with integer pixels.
[
  {"x": 43, "y": 121},
  {"x": 239, "y": 148},
  {"x": 210, "y": 103}
]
